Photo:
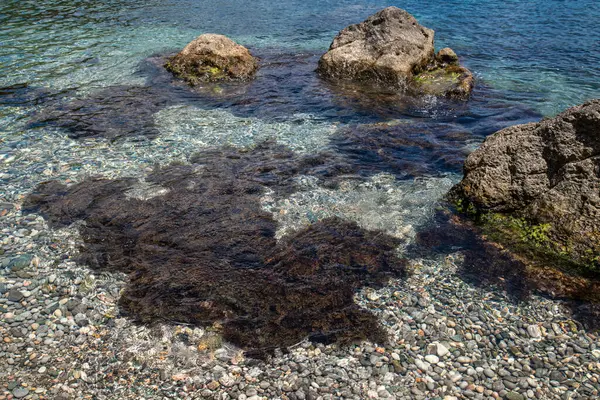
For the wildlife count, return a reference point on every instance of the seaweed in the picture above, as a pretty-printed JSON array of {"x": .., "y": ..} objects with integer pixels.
[
  {"x": 113, "y": 113},
  {"x": 199, "y": 249},
  {"x": 404, "y": 148}
]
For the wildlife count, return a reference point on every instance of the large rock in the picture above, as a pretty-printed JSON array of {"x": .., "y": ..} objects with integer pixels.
[
  {"x": 391, "y": 48},
  {"x": 210, "y": 58},
  {"x": 547, "y": 173}
]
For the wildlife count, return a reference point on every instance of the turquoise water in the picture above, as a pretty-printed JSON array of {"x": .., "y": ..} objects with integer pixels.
[
  {"x": 76, "y": 69},
  {"x": 544, "y": 54}
]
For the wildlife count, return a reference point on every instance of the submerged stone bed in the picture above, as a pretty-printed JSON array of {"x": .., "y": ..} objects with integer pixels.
[{"x": 65, "y": 337}]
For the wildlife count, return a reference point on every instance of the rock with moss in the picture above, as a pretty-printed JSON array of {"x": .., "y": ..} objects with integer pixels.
[
  {"x": 448, "y": 80},
  {"x": 213, "y": 58},
  {"x": 545, "y": 176},
  {"x": 392, "y": 50}
]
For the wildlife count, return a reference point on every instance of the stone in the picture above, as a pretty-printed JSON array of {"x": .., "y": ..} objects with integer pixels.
[
  {"x": 441, "y": 350},
  {"x": 211, "y": 58},
  {"x": 546, "y": 173},
  {"x": 390, "y": 49},
  {"x": 534, "y": 331},
  {"x": 514, "y": 396},
  {"x": 447, "y": 56},
  {"x": 15, "y": 295},
  {"x": 227, "y": 380},
  {"x": 421, "y": 365},
  {"x": 432, "y": 359},
  {"x": 20, "y": 392},
  {"x": 489, "y": 373},
  {"x": 21, "y": 262}
]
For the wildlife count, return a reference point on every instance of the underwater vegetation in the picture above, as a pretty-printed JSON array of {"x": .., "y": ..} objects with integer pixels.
[{"x": 199, "y": 249}]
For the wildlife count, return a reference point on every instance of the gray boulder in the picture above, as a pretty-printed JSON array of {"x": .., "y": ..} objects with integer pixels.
[
  {"x": 390, "y": 48},
  {"x": 212, "y": 58},
  {"x": 547, "y": 173}
]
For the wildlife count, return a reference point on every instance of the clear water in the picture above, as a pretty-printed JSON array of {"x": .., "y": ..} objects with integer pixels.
[{"x": 531, "y": 59}]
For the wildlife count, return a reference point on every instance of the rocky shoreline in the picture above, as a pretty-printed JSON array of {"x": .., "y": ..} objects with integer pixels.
[
  {"x": 62, "y": 337},
  {"x": 64, "y": 334}
]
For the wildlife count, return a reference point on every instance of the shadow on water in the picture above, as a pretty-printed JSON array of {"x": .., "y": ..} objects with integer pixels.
[
  {"x": 199, "y": 249},
  {"x": 488, "y": 264}
]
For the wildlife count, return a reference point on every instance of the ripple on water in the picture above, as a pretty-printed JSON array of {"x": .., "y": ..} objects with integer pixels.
[
  {"x": 204, "y": 128},
  {"x": 383, "y": 203}
]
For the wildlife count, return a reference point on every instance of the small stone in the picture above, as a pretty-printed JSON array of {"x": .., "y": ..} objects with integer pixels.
[
  {"x": 432, "y": 359},
  {"x": 441, "y": 350},
  {"x": 534, "y": 331},
  {"x": 20, "y": 392},
  {"x": 421, "y": 365},
  {"x": 264, "y": 384},
  {"x": 489, "y": 373},
  {"x": 15, "y": 295},
  {"x": 373, "y": 296},
  {"x": 42, "y": 370},
  {"x": 57, "y": 313},
  {"x": 514, "y": 396},
  {"x": 455, "y": 376},
  {"x": 213, "y": 385},
  {"x": 227, "y": 380},
  {"x": 20, "y": 263}
]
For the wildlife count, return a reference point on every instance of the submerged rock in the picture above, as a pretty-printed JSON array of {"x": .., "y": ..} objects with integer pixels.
[
  {"x": 392, "y": 48},
  {"x": 211, "y": 58},
  {"x": 542, "y": 181}
]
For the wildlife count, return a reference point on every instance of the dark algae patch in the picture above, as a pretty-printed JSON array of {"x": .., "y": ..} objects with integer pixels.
[
  {"x": 200, "y": 250},
  {"x": 112, "y": 113}
]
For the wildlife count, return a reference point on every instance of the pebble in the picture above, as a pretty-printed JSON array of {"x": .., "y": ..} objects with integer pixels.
[
  {"x": 534, "y": 331},
  {"x": 489, "y": 373},
  {"x": 421, "y": 365},
  {"x": 20, "y": 392},
  {"x": 15, "y": 295},
  {"x": 432, "y": 359}
]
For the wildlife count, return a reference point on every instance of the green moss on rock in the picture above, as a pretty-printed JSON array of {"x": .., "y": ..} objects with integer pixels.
[{"x": 534, "y": 241}]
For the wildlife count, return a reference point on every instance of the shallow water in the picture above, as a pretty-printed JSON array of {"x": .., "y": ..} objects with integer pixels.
[{"x": 83, "y": 92}]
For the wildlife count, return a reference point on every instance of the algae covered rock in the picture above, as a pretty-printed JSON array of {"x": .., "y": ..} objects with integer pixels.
[
  {"x": 452, "y": 81},
  {"x": 212, "y": 58},
  {"x": 391, "y": 49},
  {"x": 544, "y": 180}
]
